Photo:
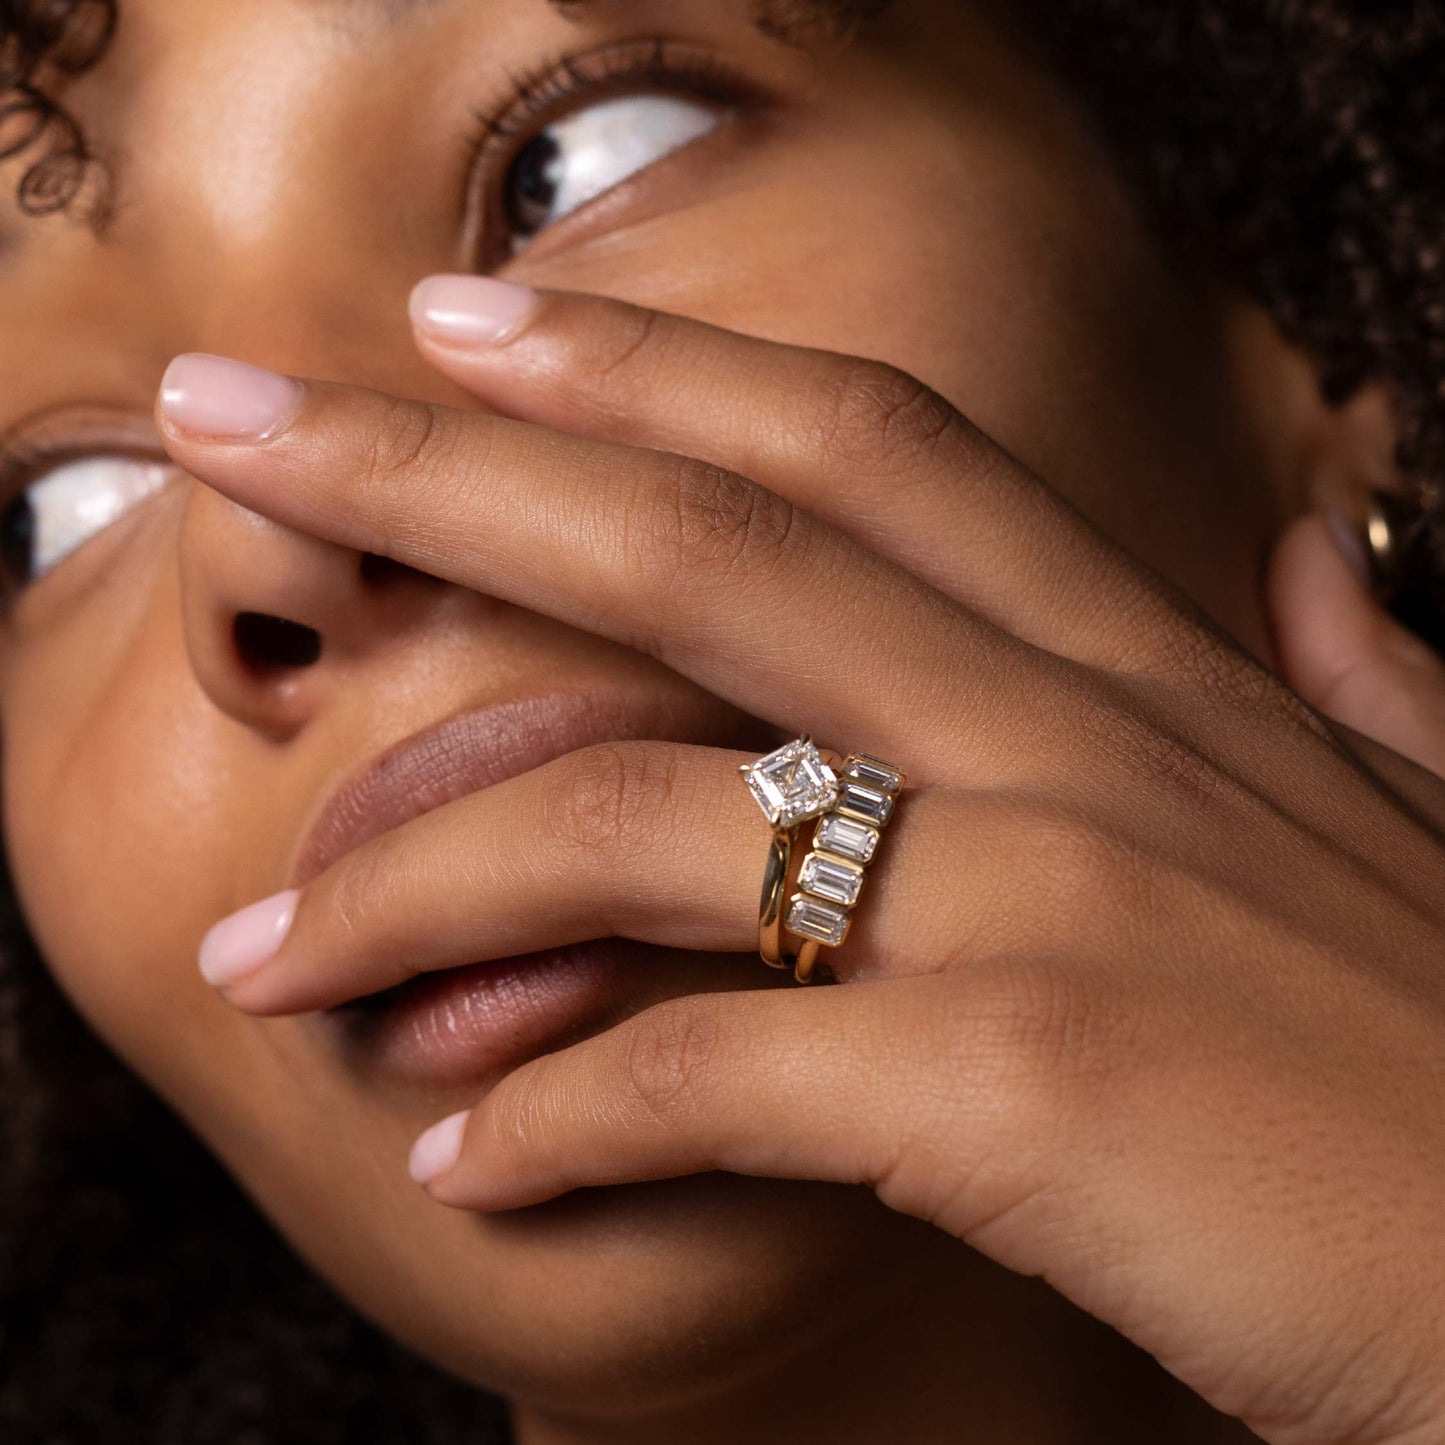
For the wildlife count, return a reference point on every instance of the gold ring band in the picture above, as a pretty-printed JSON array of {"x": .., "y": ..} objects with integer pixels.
[
  {"x": 775, "y": 895},
  {"x": 850, "y": 800}
]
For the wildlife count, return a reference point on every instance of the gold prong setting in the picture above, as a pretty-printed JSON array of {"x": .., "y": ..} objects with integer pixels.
[{"x": 791, "y": 784}]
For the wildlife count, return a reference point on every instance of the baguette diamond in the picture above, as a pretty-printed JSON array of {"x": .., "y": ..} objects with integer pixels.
[
  {"x": 875, "y": 772},
  {"x": 833, "y": 878},
  {"x": 860, "y": 800},
  {"x": 851, "y": 799},
  {"x": 792, "y": 784},
  {"x": 846, "y": 837},
  {"x": 815, "y": 918}
]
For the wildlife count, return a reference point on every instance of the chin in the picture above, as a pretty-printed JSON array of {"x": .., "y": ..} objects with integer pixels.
[{"x": 637, "y": 1298}]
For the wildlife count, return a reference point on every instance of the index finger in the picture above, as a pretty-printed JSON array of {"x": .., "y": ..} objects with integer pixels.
[{"x": 855, "y": 440}]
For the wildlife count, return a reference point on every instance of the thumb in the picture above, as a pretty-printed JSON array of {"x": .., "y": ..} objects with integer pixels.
[{"x": 1343, "y": 652}]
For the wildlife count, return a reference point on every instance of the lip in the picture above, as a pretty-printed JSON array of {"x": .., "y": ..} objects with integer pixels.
[
  {"x": 461, "y": 1024},
  {"x": 464, "y": 1024},
  {"x": 474, "y": 749}
]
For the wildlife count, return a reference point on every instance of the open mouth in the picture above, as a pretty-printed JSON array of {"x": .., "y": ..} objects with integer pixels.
[{"x": 463, "y": 1024}]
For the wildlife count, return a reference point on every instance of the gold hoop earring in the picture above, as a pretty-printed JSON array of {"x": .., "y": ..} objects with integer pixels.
[{"x": 1405, "y": 542}]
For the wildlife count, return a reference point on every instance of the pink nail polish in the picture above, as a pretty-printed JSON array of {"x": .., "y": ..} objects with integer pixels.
[
  {"x": 470, "y": 310},
  {"x": 214, "y": 396},
  {"x": 439, "y": 1148},
  {"x": 237, "y": 946}
]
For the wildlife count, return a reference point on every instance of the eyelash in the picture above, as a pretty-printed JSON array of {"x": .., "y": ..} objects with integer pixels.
[
  {"x": 540, "y": 91},
  {"x": 21, "y": 465},
  {"x": 543, "y": 92}
]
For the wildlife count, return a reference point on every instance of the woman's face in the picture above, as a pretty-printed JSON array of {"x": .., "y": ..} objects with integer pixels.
[{"x": 287, "y": 169}]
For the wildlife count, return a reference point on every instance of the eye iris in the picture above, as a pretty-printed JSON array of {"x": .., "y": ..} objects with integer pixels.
[
  {"x": 17, "y": 538},
  {"x": 533, "y": 184}
]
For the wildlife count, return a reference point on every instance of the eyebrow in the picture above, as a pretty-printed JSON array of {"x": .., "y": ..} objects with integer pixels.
[
  {"x": 800, "y": 23},
  {"x": 810, "y": 22}
]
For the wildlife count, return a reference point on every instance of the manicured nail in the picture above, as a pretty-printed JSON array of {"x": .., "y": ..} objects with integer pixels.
[
  {"x": 1350, "y": 546},
  {"x": 439, "y": 1148},
  {"x": 470, "y": 310},
  {"x": 213, "y": 396},
  {"x": 239, "y": 945}
]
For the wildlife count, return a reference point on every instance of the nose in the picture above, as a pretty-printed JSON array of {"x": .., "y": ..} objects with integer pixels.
[{"x": 274, "y": 619}]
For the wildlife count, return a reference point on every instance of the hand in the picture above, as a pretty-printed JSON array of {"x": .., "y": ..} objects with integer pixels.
[{"x": 1144, "y": 990}]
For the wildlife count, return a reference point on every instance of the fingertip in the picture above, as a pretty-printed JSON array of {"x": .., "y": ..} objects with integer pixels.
[
  {"x": 469, "y": 311},
  {"x": 1320, "y": 607},
  {"x": 1349, "y": 546},
  {"x": 437, "y": 1149}
]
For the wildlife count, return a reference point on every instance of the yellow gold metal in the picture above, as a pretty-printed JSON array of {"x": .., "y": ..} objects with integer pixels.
[
  {"x": 782, "y": 869},
  {"x": 804, "y": 960},
  {"x": 775, "y": 891},
  {"x": 1380, "y": 535}
]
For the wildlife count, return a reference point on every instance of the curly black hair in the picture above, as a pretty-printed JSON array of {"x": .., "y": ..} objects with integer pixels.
[{"x": 1292, "y": 146}]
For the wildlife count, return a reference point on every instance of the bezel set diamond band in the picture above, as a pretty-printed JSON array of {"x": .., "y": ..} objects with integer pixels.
[{"x": 850, "y": 801}]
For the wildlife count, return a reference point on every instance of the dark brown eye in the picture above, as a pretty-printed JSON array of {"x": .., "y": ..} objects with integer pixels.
[
  {"x": 593, "y": 149},
  {"x": 17, "y": 539},
  {"x": 532, "y": 185}
]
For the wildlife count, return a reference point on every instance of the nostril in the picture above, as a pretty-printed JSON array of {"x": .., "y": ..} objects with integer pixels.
[{"x": 267, "y": 644}]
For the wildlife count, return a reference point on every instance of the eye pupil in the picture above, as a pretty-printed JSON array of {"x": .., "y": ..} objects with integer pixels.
[
  {"x": 17, "y": 538},
  {"x": 533, "y": 183}
]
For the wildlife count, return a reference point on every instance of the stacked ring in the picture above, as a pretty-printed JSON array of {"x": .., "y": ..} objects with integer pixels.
[
  {"x": 851, "y": 800},
  {"x": 845, "y": 838}
]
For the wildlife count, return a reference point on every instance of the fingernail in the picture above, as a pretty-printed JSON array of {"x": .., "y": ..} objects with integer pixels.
[
  {"x": 470, "y": 310},
  {"x": 1350, "y": 546},
  {"x": 213, "y": 396},
  {"x": 439, "y": 1148},
  {"x": 239, "y": 945}
]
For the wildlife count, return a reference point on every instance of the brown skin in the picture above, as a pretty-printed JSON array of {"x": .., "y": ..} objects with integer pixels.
[{"x": 152, "y": 784}]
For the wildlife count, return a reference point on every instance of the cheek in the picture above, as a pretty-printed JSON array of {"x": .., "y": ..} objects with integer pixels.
[
  {"x": 991, "y": 252},
  {"x": 114, "y": 787}
]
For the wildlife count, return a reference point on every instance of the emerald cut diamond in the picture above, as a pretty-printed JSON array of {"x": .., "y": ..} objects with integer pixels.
[
  {"x": 813, "y": 918},
  {"x": 846, "y": 837},
  {"x": 792, "y": 784},
  {"x": 833, "y": 878},
  {"x": 862, "y": 801},
  {"x": 873, "y": 771}
]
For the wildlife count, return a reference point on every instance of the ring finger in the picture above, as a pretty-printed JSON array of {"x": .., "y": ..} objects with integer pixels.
[{"x": 654, "y": 841}]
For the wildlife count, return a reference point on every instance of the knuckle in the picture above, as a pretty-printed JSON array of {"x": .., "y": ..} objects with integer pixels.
[
  {"x": 402, "y": 441},
  {"x": 717, "y": 522},
  {"x": 1198, "y": 653},
  {"x": 882, "y": 418},
  {"x": 1194, "y": 656},
  {"x": 609, "y": 793},
  {"x": 670, "y": 1052},
  {"x": 366, "y": 884},
  {"x": 516, "y": 1113},
  {"x": 638, "y": 336},
  {"x": 1125, "y": 725},
  {"x": 1085, "y": 868},
  {"x": 1046, "y": 1042}
]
